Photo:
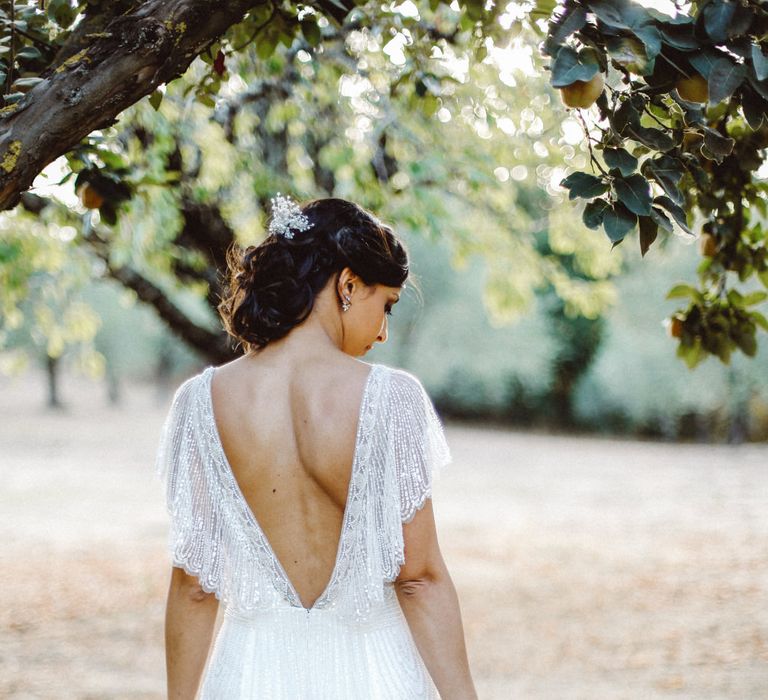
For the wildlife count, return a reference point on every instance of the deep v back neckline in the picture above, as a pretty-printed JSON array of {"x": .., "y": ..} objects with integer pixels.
[{"x": 253, "y": 520}]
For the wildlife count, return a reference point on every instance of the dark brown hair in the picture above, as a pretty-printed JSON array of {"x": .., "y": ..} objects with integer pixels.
[{"x": 272, "y": 286}]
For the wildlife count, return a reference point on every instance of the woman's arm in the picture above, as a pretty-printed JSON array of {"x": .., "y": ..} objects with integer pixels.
[
  {"x": 428, "y": 599},
  {"x": 190, "y": 615}
]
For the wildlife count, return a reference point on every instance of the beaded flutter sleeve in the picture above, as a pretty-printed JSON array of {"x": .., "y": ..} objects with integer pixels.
[
  {"x": 179, "y": 464},
  {"x": 419, "y": 447}
]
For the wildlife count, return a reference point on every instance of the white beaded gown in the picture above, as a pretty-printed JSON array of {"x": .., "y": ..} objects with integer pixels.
[{"x": 354, "y": 642}]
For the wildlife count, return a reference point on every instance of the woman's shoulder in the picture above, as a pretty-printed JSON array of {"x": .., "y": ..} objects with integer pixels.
[
  {"x": 191, "y": 385},
  {"x": 404, "y": 387}
]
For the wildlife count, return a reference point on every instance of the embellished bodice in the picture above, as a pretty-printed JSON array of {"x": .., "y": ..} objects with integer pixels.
[{"x": 399, "y": 448}]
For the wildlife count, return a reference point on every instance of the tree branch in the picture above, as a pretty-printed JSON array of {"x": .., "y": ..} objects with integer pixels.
[
  {"x": 211, "y": 344},
  {"x": 152, "y": 44}
]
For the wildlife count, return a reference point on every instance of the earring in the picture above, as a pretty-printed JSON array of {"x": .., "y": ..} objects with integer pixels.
[{"x": 345, "y": 304}]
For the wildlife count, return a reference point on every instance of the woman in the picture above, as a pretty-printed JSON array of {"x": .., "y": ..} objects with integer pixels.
[{"x": 331, "y": 576}]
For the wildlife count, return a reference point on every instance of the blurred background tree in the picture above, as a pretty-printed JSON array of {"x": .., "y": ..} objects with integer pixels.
[{"x": 440, "y": 119}]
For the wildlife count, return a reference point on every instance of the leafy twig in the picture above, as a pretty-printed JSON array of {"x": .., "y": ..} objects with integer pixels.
[
  {"x": 589, "y": 144},
  {"x": 36, "y": 39},
  {"x": 258, "y": 29}
]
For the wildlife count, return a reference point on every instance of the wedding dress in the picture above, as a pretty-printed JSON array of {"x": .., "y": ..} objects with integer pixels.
[{"x": 354, "y": 641}]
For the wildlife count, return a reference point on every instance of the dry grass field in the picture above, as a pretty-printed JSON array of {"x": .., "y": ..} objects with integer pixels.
[{"x": 586, "y": 568}]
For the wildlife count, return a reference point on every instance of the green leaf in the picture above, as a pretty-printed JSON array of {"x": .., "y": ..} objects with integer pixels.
[
  {"x": 620, "y": 159},
  {"x": 429, "y": 105},
  {"x": 760, "y": 86},
  {"x": 717, "y": 144},
  {"x": 29, "y": 53},
  {"x": 265, "y": 45},
  {"x": 683, "y": 291},
  {"x": 754, "y": 298},
  {"x": 566, "y": 23},
  {"x": 635, "y": 193},
  {"x": 653, "y": 138},
  {"x": 746, "y": 341},
  {"x": 108, "y": 213},
  {"x": 759, "y": 62},
  {"x": 717, "y": 16},
  {"x": 723, "y": 79},
  {"x": 61, "y": 12},
  {"x": 569, "y": 66},
  {"x": 619, "y": 13},
  {"x": 677, "y": 212},
  {"x": 618, "y": 221},
  {"x": 651, "y": 38},
  {"x": 630, "y": 53},
  {"x": 759, "y": 319},
  {"x": 475, "y": 10},
  {"x": 12, "y": 97},
  {"x": 692, "y": 354},
  {"x": 205, "y": 99},
  {"x": 27, "y": 82},
  {"x": 545, "y": 7},
  {"x": 155, "y": 99},
  {"x": 583, "y": 185},
  {"x": 665, "y": 20},
  {"x": 704, "y": 61},
  {"x": 648, "y": 231},
  {"x": 661, "y": 219},
  {"x": 753, "y": 107},
  {"x": 594, "y": 213},
  {"x": 735, "y": 297},
  {"x": 680, "y": 37},
  {"x": 667, "y": 171},
  {"x": 626, "y": 116},
  {"x": 311, "y": 31}
]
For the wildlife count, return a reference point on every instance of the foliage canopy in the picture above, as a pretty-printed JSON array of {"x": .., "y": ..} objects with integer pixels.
[
  {"x": 677, "y": 141},
  {"x": 659, "y": 150}
]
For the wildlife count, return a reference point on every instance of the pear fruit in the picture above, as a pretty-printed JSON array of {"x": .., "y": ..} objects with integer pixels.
[
  {"x": 583, "y": 93},
  {"x": 693, "y": 89},
  {"x": 89, "y": 197},
  {"x": 676, "y": 327},
  {"x": 708, "y": 245}
]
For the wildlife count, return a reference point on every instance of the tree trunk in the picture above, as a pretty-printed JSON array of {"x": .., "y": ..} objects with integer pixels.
[{"x": 52, "y": 365}]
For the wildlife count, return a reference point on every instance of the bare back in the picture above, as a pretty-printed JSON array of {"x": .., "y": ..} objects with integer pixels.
[{"x": 289, "y": 436}]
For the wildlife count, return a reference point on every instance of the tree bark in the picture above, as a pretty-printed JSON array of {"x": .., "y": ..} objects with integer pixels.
[
  {"x": 136, "y": 52},
  {"x": 116, "y": 55}
]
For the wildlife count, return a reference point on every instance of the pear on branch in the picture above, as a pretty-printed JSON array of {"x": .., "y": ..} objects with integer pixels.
[{"x": 583, "y": 93}]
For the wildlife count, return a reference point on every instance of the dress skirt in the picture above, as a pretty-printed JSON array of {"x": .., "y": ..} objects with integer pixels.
[{"x": 292, "y": 653}]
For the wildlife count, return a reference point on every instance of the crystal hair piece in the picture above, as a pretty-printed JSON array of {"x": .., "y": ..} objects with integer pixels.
[{"x": 287, "y": 217}]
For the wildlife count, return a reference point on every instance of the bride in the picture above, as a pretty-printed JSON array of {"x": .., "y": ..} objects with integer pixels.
[{"x": 299, "y": 483}]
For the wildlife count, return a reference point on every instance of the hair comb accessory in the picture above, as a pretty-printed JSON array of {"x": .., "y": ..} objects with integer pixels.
[{"x": 287, "y": 217}]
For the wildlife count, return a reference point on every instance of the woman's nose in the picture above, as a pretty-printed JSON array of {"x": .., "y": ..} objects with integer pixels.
[{"x": 382, "y": 336}]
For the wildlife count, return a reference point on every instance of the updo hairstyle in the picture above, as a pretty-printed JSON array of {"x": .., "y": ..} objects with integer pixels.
[{"x": 272, "y": 286}]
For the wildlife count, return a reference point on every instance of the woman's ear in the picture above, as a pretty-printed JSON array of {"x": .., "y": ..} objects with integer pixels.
[{"x": 346, "y": 281}]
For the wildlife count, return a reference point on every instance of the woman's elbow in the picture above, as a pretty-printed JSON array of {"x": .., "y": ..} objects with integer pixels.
[
  {"x": 411, "y": 586},
  {"x": 188, "y": 587}
]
